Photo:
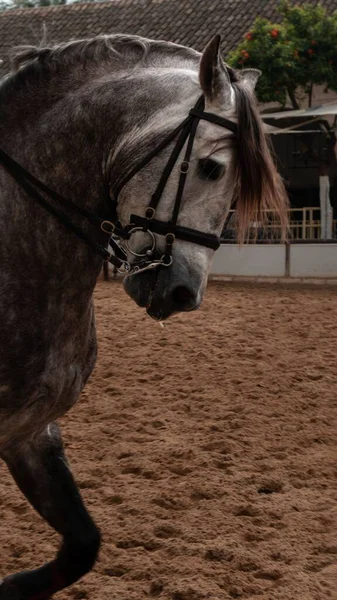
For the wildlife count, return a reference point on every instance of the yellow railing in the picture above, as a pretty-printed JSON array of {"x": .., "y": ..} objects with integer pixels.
[{"x": 304, "y": 224}]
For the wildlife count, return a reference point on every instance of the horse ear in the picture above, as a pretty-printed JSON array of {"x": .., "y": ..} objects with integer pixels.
[
  {"x": 250, "y": 77},
  {"x": 213, "y": 76}
]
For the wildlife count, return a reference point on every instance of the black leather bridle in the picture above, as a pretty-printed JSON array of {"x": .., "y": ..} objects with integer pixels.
[{"x": 186, "y": 133}]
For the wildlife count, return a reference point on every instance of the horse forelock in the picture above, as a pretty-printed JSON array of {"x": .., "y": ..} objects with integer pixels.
[{"x": 259, "y": 193}]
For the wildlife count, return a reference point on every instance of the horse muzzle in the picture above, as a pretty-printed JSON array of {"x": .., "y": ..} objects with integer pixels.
[{"x": 165, "y": 291}]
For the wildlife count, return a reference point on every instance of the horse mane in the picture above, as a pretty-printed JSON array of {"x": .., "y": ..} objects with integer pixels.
[{"x": 126, "y": 50}]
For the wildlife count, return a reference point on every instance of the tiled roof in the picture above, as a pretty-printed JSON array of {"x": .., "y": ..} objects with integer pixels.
[{"x": 189, "y": 22}]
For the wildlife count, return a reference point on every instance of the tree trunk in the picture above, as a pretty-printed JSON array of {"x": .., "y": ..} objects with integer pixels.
[
  {"x": 310, "y": 95},
  {"x": 291, "y": 94}
]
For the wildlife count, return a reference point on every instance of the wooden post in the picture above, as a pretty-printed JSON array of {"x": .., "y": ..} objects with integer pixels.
[
  {"x": 326, "y": 208},
  {"x": 287, "y": 260},
  {"x": 304, "y": 223}
]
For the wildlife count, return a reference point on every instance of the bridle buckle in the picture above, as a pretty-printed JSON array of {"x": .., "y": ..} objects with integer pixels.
[
  {"x": 184, "y": 167},
  {"x": 150, "y": 212},
  {"x": 169, "y": 238},
  {"x": 108, "y": 227}
]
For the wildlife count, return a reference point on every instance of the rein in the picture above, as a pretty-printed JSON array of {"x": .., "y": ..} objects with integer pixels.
[{"x": 185, "y": 131}]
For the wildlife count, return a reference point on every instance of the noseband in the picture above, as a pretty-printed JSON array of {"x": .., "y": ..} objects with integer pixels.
[{"x": 149, "y": 224}]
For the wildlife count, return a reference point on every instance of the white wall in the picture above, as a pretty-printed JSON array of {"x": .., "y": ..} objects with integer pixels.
[
  {"x": 313, "y": 260},
  {"x": 267, "y": 260},
  {"x": 253, "y": 260}
]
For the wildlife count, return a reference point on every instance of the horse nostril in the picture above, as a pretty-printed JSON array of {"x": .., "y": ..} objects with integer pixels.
[{"x": 183, "y": 298}]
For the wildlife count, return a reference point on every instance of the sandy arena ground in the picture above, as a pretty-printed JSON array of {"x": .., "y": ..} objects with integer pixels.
[{"x": 206, "y": 451}]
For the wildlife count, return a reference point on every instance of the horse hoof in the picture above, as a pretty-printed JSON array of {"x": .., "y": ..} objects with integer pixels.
[{"x": 9, "y": 591}]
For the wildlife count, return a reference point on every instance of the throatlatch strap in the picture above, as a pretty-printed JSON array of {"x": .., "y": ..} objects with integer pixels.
[
  {"x": 21, "y": 175},
  {"x": 26, "y": 181}
]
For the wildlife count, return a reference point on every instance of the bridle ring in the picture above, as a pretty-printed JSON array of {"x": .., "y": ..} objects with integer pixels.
[{"x": 146, "y": 253}]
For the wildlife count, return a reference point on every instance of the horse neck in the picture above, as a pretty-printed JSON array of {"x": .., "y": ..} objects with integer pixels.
[
  {"x": 58, "y": 139},
  {"x": 66, "y": 136},
  {"x": 64, "y": 127},
  {"x": 50, "y": 129}
]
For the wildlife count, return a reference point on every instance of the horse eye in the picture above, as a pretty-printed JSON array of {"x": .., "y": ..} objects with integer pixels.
[{"x": 210, "y": 169}]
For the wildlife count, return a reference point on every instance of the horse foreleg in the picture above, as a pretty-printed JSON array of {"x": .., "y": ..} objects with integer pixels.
[{"x": 40, "y": 470}]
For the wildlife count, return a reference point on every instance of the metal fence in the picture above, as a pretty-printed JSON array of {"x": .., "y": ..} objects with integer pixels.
[{"x": 304, "y": 224}]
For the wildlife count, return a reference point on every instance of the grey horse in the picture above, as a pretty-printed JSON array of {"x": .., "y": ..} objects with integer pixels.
[{"x": 79, "y": 116}]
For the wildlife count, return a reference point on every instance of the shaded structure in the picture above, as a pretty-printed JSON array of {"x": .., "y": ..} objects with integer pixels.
[
  {"x": 305, "y": 146},
  {"x": 182, "y": 21}
]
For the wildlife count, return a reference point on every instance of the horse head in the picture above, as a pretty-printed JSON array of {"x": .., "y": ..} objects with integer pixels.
[
  {"x": 156, "y": 136},
  {"x": 226, "y": 164}
]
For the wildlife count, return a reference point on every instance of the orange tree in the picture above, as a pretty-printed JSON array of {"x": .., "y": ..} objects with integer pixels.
[{"x": 293, "y": 56}]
